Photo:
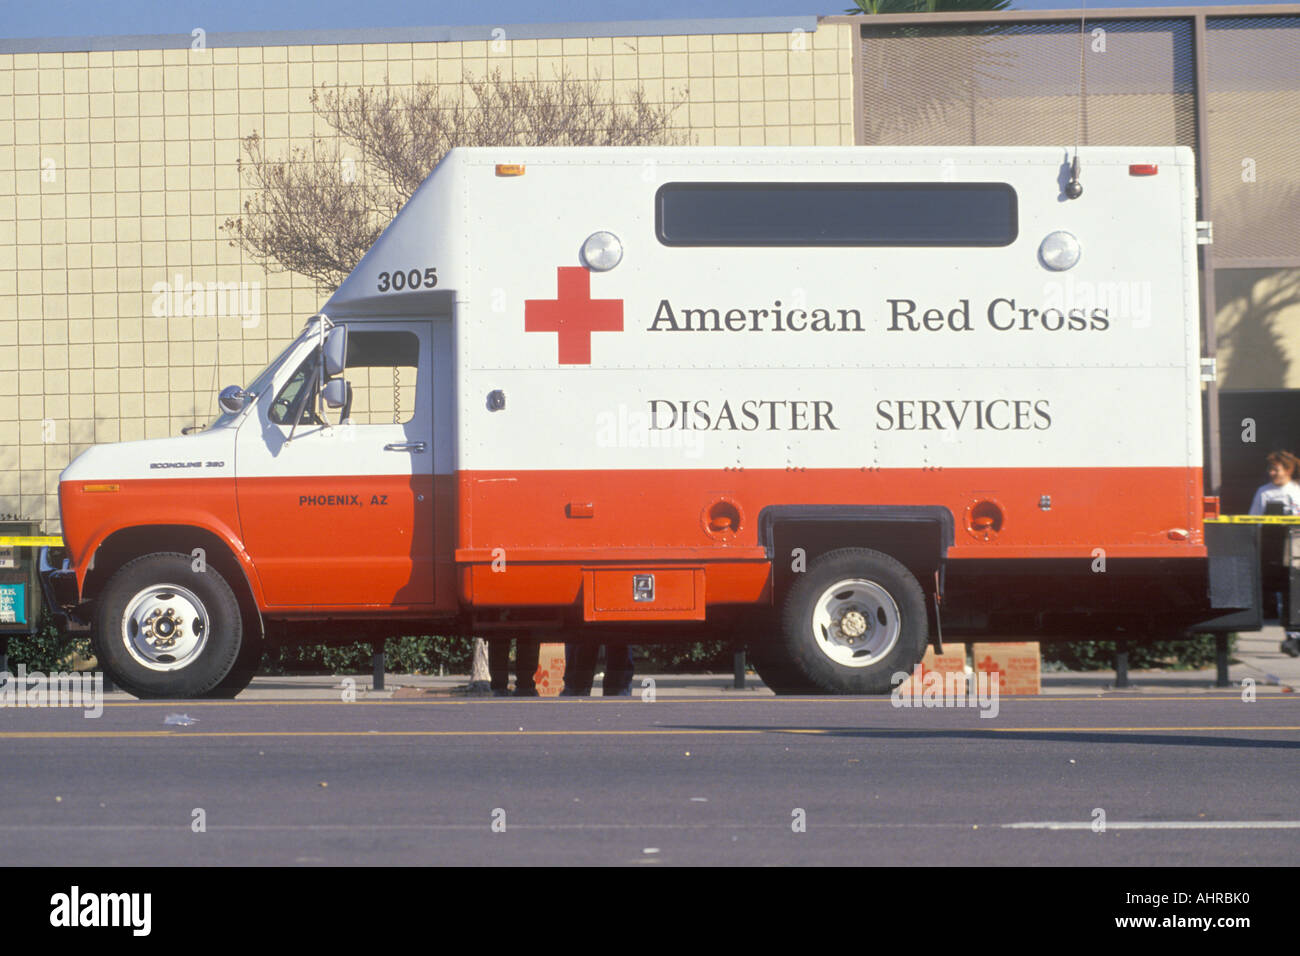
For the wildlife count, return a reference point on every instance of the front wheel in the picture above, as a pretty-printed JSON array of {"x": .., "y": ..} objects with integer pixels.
[
  {"x": 853, "y": 620},
  {"x": 163, "y": 629}
]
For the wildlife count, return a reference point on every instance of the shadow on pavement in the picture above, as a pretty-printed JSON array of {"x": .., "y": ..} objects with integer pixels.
[{"x": 1070, "y": 736}]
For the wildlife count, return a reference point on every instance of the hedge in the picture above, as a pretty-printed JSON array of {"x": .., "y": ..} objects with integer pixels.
[{"x": 45, "y": 651}]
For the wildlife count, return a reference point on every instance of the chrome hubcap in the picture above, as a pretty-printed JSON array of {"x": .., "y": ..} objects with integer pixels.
[
  {"x": 165, "y": 627},
  {"x": 856, "y": 622}
]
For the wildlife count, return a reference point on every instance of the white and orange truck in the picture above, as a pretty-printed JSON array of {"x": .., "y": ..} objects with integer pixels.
[{"x": 833, "y": 402}]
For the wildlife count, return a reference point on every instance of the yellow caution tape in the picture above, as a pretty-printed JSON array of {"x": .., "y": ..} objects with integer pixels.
[{"x": 1254, "y": 519}]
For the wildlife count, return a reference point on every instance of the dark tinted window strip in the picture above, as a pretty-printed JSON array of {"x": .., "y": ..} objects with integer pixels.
[{"x": 836, "y": 214}]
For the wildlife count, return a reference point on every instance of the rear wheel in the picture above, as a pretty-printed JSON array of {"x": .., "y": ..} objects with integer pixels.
[
  {"x": 852, "y": 621},
  {"x": 163, "y": 629},
  {"x": 778, "y": 672}
]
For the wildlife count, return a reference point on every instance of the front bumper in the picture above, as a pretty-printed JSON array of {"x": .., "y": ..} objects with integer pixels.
[{"x": 59, "y": 588}]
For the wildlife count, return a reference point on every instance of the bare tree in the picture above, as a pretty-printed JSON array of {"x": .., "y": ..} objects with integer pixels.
[{"x": 317, "y": 211}]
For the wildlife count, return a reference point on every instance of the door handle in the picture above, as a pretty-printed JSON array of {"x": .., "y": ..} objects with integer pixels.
[{"x": 405, "y": 446}]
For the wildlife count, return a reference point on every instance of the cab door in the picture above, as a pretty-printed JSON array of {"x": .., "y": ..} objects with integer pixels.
[{"x": 339, "y": 513}]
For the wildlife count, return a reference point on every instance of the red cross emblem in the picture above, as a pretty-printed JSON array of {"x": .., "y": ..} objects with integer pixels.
[{"x": 573, "y": 315}]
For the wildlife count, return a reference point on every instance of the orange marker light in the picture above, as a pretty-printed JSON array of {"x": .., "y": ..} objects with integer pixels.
[
  {"x": 1139, "y": 169},
  {"x": 100, "y": 488},
  {"x": 510, "y": 169}
]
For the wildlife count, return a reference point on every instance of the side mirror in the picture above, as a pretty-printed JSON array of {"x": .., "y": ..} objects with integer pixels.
[
  {"x": 335, "y": 393},
  {"x": 232, "y": 399},
  {"x": 336, "y": 351}
]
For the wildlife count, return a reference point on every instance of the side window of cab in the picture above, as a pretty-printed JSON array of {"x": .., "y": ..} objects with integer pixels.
[
  {"x": 298, "y": 395},
  {"x": 382, "y": 367}
]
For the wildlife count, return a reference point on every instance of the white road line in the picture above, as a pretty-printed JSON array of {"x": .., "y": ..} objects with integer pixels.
[
  {"x": 359, "y": 827},
  {"x": 9, "y": 829},
  {"x": 1159, "y": 825}
]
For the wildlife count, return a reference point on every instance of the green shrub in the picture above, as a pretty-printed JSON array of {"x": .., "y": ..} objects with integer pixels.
[
  {"x": 46, "y": 650},
  {"x": 1193, "y": 654},
  {"x": 403, "y": 655},
  {"x": 454, "y": 655},
  {"x": 707, "y": 657}
]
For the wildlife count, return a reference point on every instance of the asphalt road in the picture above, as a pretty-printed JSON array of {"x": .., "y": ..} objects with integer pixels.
[{"x": 1205, "y": 780}]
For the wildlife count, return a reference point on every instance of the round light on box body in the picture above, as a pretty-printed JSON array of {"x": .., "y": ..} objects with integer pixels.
[
  {"x": 1059, "y": 251},
  {"x": 602, "y": 251}
]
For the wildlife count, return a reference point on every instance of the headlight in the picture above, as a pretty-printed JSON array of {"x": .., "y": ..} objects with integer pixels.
[
  {"x": 602, "y": 251},
  {"x": 1059, "y": 251}
]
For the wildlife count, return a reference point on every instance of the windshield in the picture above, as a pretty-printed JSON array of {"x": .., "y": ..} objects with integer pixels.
[{"x": 263, "y": 380}]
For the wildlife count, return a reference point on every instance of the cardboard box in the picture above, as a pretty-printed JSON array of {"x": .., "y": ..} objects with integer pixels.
[
  {"x": 1019, "y": 665},
  {"x": 549, "y": 677},
  {"x": 951, "y": 661}
]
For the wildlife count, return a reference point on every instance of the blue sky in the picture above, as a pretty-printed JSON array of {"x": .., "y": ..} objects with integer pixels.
[{"x": 48, "y": 18}]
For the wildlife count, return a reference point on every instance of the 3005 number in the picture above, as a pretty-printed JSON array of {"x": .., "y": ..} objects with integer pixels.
[{"x": 410, "y": 279}]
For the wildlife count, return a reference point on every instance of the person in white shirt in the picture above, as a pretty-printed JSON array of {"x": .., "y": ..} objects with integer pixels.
[
  {"x": 1282, "y": 490},
  {"x": 1282, "y": 486}
]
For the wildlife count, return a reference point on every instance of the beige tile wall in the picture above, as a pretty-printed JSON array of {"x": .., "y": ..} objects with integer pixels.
[{"x": 117, "y": 168}]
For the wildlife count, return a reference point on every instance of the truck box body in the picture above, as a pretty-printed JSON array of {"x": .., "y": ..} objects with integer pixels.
[
  {"x": 765, "y": 375},
  {"x": 793, "y": 338}
]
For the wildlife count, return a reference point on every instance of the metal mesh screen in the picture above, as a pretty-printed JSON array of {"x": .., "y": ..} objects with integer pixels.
[
  {"x": 1253, "y": 108},
  {"x": 1019, "y": 84}
]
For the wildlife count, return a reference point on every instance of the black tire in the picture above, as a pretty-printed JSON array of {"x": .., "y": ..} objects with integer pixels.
[
  {"x": 777, "y": 672},
  {"x": 241, "y": 675},
  {"x": 251, "y": 648},
  {"x": 213, "y": 657},
  {"x": 758, "y": 632},
  {"x": 887, "y": 604}
]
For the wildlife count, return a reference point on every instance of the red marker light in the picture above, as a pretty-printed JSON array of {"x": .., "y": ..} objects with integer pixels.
[{"x": 1142, "y": 169}]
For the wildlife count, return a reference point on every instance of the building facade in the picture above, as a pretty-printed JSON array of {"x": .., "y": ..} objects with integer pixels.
[{"x": 124, "y": 306}]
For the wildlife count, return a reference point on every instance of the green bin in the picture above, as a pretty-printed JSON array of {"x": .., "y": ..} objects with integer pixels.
[{"x": 20, "y": 585}]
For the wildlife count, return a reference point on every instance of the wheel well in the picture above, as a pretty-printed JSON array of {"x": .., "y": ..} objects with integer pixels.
[
  {"x": 130, "y": 543},
  {"x": 918, "y": 538}
]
